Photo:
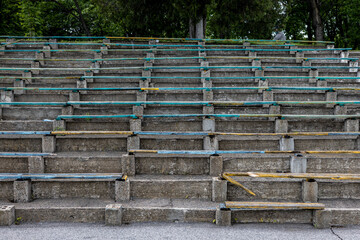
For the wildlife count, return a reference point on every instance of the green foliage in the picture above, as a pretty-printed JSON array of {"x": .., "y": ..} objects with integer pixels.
[
  {"x": 243, "y": 18},
  {"x": 160, "y": 18},
  {"x": 143, "y": 18},
  {"x": 9, "y": 17},
  {"x": 297, "y": 19}
]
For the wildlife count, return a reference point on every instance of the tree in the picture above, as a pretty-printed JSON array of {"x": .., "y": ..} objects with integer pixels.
[
  {"x": 9, "y": 18},
  {"x": 316, "y": 19},
  {"x": 144, "y": 17},
  {"x": 196, "y": 13},
  {"x": 243, "y": 18}
]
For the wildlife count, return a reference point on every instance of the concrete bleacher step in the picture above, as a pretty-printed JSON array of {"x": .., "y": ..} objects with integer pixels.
[
  {"x": 181, "y": 185},
  {"x": 103, "y": 211},
  {"x": 20, "y": 187},
  {"x": 167, "y": 210}
]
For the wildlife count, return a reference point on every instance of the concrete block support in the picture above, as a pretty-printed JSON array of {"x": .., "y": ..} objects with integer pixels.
[
  {"x": 208, "y": 109},
  {"x": 27, "y": 76},
  {"x": 274, "y": 110},
  {"x": 145, "y": 81},
  {"x": 135, "y": 125},
  {"x": 40, "y": 56},
  {"x": 202, "y": 55},
  {"x": 96, "y": 66},
  {"x": 310, "y": 191},
  {"x": 53, "y": 44},
  {"x": 336, "y": 217},
  {"x": 263, "y": 83},
  {"x": 353, "y": 66},
  {"x": 113, "y": 214},
  {"x": 255, "y": 63},
  {"x": 133, "y": 142},
  {"x": 138, "y": 111},
  {"x": 122, "y": 190},
  {"x": 104, "y": 50},
  {"x": 331, "y": 97},
  {"x": 293, "y": 48},
  {"x": 59, "y": 125},
  {"x": 98, "y": 55},
  {"x": 19, "y": 83},
  {"x": 322, "y": 219},
  {"x": 252, "y": 55},
  {"x": 268, "y": 96},
  {"x": 340, "y": 110},
  {"x": 209, "y": 124},
  {"x": 1, "y": 112},
  {"x": 47, "y": 52},
  {"x": 299, "y": 57},
  {"x": 259, "y": 73},
  {"x": 313, "y": 74},
  {"x": 306, "y": 64},
  {"x": 351, "y": 125},
  {"x": 148, "y": 64},
  {"x": 81, "y": 84},
  {"x": 287, "y": 144},
  {"x": 1, "y": 50},
  {"x": 35, "y": 65},
  {"x": 49, "y": 144},
  {"x": 128, "y": 164},
  {"x": 216, "y": 165},
  {"x": 89, "y": 74},
  {"x": 344, "y": 54},
  {"x": 223, "y": 217},
  {"x": 208, "y": 95},
  {"x": 7, "y": 215},
  {"x": 141, "y": 96},
  {"x": 7, "y": 96},
  {"x": 211, "y": 143},
  {"x": 22, "y": 191},
  {"x": 151, "y": 56},
  {"x": 281, "y": 126},
  {"x": 321, "y": 83},
  {"x": 36, "y": 164},
  {"x": 74, "y": 96},
  {"x": 298, "y": 164},
  {"x": 68, "y": 110},
  {"x": 219, "y": 190}
]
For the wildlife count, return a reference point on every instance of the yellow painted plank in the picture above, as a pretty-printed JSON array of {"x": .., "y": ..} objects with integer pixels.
[{"x": 273, "y": 205}]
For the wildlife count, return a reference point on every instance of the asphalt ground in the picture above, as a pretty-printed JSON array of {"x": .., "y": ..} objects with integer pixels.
[{"x": 175, "y": 231}]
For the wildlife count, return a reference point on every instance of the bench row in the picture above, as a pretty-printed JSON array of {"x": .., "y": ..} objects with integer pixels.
[
  {"x": 205, "y": 188},
  {"x": 179, "y": 144},
  {"x": 181, "y": 163}
]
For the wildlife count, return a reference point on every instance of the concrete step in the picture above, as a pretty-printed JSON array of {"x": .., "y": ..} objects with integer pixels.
[
  {"x": 105, "y": 162},
  {"x": 186, "y": 96},
  {"x": 291, "y": 190},
  {"x": 181, "y": 124},
  {"x": 138, "y": 187},
  {"x": 27, "y": 112},
  {"x": 166, "y": 210},
  {"x": 125, "y": 142},
  {"x": 43, "y": 188},
  {"x": 99, "y": 211}
]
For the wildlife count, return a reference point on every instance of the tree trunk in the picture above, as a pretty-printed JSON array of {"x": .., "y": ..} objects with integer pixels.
[
  {"x": 81, "y": 18},
  {"x": 316, "y": 20},
  {"x": 197, "y": 30},
  {"x": 191, "y": 28}
]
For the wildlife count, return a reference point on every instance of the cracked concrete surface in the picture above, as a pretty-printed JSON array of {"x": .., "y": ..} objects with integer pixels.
[{"x": 175, "y": 231}]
